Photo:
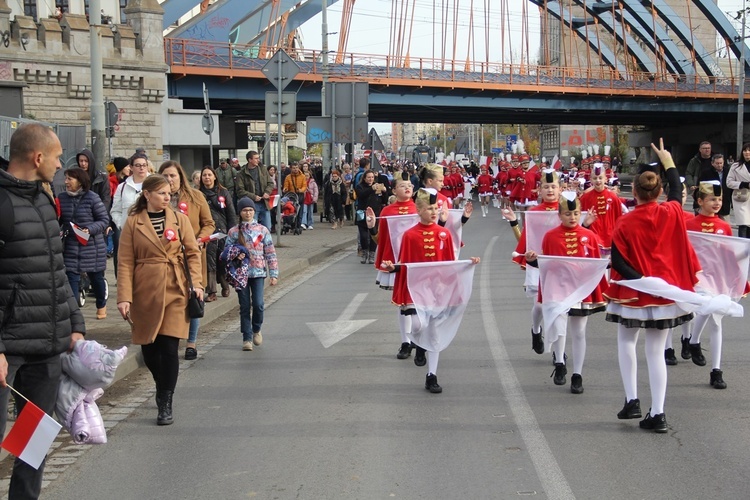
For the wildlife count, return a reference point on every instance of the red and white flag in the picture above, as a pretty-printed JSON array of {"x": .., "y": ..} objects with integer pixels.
[
  {"x": 441, "y": 292},
  {"x": 536, "y": 225},
  {"x": 32, "y": 435},
  {"x": 81, "y": 235},
  {"x": 453, "y": 224},
  {"x": 272, "y": 201},
  {"x": 725, "y": 261},
  {"x": 556, "y": 163},
  {"x": 565, "y": 282},
  {"x": 397, "y": 226},
  {"x": 212, "y": 237}
]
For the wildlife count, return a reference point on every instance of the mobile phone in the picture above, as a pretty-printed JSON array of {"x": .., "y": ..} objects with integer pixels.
[{"x": 128, "y": 318}]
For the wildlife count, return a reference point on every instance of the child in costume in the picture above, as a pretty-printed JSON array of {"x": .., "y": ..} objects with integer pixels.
[
  {"x": 570, "y": 239},
  {"x": 484, "y": 185},
  {"x": 638, "y": 251},
  {"x": 425, "y": 242},
  {"x": 604, "y": 204}
]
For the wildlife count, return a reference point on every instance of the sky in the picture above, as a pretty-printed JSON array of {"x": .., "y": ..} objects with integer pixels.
[{"x": 371, "y": 26}]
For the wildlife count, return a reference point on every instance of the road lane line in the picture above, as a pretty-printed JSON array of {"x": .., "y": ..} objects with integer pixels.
[{"x": 547, "y": 469}]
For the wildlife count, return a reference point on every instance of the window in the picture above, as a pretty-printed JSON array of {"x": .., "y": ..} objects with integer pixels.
[
  {"x": 123, "y": 17},
  {"x": 29, "y": 8}
]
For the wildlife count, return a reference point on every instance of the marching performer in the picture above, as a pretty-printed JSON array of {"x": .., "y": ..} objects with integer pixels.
[
  {"x": 484, "y": 185},
  {"x": 604, "y": 204}
]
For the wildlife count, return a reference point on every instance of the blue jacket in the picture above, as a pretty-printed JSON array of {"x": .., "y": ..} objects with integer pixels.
[{"x": 87, "y": 211}]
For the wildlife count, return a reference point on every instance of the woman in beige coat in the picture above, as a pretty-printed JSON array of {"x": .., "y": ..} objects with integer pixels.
[
  {"x": 738, "y": 179},
  {"x": 192, "y": 203},
  {"x": 152, "y": 285}
]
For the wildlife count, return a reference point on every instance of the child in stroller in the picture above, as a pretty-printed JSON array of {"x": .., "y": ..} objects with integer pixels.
[{"x": 290, "y": 214}]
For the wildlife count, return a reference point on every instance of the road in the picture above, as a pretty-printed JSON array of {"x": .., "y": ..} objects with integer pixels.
[{"x": 295, "y": 419}]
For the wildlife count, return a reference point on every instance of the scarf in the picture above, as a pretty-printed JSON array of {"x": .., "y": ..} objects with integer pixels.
[
  {"x": 75, "y": 193},
  {"x": 335, "y": 186}
]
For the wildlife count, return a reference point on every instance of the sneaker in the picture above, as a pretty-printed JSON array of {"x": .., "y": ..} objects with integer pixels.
[
  {"x": 191, "y": 353},
  {"x": 431, "y": 384},
  {"x": 632, "y": 409},
  {"x": 247, "y": 346},
  {"x": 685, "y": 351},
  {"x": 310, "y": 228},
  {"x": 419, "y": 358},
  {"x": 554, "y": 358},
  {"x": 717, "y": 379},
  {"x": 656, "y": 423},
  {"x": 576, "y": 384},
  {"x": 303, "y": 226},
  {"x": 697, "y": 354},
  {"x": 669, "y": 357},
  {"x": 405, "y": 351},
  {"x": 559, "y": 374},
  {"x": 537, "y": 342},
  {"x": 257, "y": 338}
]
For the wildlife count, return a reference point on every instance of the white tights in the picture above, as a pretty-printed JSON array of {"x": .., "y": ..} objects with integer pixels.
[
  {"x": 657, "y": 367},
  {"x": 699, "y": 324},
  {"x": 536, "y": 317},
  {"x": 577, "y": 329},
  {"x": 685, "y": 328},
  {"x": 432, "y": 362},
  {"x": 404, "y": 324}
]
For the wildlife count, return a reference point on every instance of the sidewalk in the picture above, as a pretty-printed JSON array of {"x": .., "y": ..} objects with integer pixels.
[{"x": 295, "y": 253}]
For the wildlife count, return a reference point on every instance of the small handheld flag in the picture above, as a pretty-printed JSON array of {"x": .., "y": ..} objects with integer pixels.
[{"x": 32, "y": 434}]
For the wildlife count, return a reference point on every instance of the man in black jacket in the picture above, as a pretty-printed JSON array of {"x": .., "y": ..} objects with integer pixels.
[{"x": 39, "y": 318}]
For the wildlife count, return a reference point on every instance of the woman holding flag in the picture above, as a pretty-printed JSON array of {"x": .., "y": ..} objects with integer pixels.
[
  {"x": 84, "y": 219},
  {"x": 638, "y": 251},
  {"x": 429, "y": 242}
]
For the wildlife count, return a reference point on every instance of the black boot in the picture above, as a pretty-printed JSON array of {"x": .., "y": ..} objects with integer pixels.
[
  {"x": 697, "y": 354},
  {"x": 576, "y": 384},
  {"x": 632, "y": 409},
  {"x": 431, "y": 384},
  {"x": 559, "y": 374},
  {"x": 717, "y": 379},
  {"x": 165, "y": 408},
  {"x": 669, "y": 357},
  {"x": 537, "y": 342},
  {"x": 685, "y": 351}
]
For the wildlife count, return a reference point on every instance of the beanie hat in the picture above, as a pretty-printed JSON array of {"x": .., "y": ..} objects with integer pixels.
[
  {"x": 245, "y": 202},
  {"x": 120, "y": 163}
]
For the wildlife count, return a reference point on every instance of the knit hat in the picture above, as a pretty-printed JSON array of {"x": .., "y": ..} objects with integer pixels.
[
  {"x": 120, "y": 163},
  {"x": 245, "y": 202}
]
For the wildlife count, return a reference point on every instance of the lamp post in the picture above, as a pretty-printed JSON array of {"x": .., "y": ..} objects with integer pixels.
[
  {"x": 327, "y": 148},
  {"x": 97, "y": 85},
  {"x": 741, "y": 94}
]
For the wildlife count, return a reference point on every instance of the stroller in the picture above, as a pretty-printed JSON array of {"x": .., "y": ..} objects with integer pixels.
[
  {"x": 85, "y": 289},
  {"x": 290, "y": 214}
]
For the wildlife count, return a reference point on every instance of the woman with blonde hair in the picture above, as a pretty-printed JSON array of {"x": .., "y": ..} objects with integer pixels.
[
  {"x": 152, "y": 285},
  {"x": 190, "y": 202}
]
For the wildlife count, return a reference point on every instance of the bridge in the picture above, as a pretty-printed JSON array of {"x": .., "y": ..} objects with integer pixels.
[{"x": 643, "y": 64}]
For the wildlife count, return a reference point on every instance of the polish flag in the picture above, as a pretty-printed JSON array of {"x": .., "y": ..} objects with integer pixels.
[
  {"x": 725, "y": 261},
  {"x": 212, "y": 237},
  {"x": 556, "y": 163},
  {"x": 31, "y": 435},
  {"x": 272, "y": 201},
  {"x": 81, "y": 235}
]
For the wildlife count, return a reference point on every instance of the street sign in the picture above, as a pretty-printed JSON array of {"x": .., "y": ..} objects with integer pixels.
[
  {"x": 207, "y": 122},
  {"x": 282, "y": 76},
  {"x": 318, "y": 129},
  {"x": 509, "y": 141},
  {"x": 373, "y": 141},
  {"x": 348, "y": 98},
  {"x": 288, "y": 107}
]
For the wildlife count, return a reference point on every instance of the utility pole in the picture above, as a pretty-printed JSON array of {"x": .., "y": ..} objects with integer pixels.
[
  {"x": 97, "y": 85},
  {"x": 327, "y": 148},
  {"x": 741, "y": 96}
]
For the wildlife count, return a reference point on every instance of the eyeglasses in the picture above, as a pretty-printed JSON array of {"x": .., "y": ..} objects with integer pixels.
[{"x": 140, "y": 165}]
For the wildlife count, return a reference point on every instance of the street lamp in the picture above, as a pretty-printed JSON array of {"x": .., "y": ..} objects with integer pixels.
[{"x": 741, "y": 96}]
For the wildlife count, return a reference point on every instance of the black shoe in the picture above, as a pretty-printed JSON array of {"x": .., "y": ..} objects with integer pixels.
[
  {"x": 656, "y": 423},
  {"x": 697, "y": 354},
  {"x": 431, "y": 384},
  {"x": 537, "y": 342},
  {"x": 164, "y": 416},
  {"x": 717, "y": 379},
  {"x": 669, "y": 357},
  {"x": 559, "y": 373},
  {"x": 419, "y": 358},
  {"x": 632, "y": 409},
  {"x": 191, "y": 353},
  {"x": 576, "y": 384},
  {"x": 405, "y": 351},
  {"x": 685, "y": 351}
]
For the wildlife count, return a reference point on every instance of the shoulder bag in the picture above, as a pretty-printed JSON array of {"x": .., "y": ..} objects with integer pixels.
[{"x": 195, "y": 306}]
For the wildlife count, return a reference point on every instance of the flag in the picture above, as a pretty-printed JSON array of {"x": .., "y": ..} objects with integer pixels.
[
  {"x": 537, "y": 223},
  {"x": 686, "y": 300},
  {"x": 556, "y": 163},
  {"x": 454, "y": 226},
  {"x": 272, "y": 201},
  {"x": 441, "y": 292},
  {"x": 397, "y": 226},
  {"x": 32, "y": 435},
  {"x": 212, "y": 237},
  {"x": 565, "y": 282},
  {"x": 81, "y": 235},
  {"x": 725, "y": 261}
]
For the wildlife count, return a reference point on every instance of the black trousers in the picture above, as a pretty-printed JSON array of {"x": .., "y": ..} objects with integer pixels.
[
  {"x": 38, "y": 379},
  {"x": 162, "y": 361}
]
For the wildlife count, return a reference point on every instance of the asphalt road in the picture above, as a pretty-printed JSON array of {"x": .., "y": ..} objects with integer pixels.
[{"x": 295, "y": 419}]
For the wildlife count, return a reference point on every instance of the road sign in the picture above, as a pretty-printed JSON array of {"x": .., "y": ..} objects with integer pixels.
[
  {"x": 280, "y": 77},
  {"x": 207, "y": 122},
  {"x": 288, "y": 107},
  {"x": 509, "y": 141},
  {"x": 318, "y": 129},
  {"x": 373, "y": 141}
]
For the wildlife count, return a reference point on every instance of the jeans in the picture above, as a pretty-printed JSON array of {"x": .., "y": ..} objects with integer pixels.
[
  {"x": 38, "y": 380},
  {"x": 251, "y": 294},
  {"x": 307, "y": 215},
  {"x": 262, "y": 214},
  {"x": 195, "y": 323},
  {"x": 97, "y": 284}
]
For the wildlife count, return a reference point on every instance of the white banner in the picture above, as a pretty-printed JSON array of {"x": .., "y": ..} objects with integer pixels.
[
  {"x": 453, "y": 224},
  {"x": 536, "y": 225},
  {"x": 441, "y": 292},
  {"x": 397, "y": 226},
  {"x": 565, "y": 282},
  {"x": 724, "y": 260}
]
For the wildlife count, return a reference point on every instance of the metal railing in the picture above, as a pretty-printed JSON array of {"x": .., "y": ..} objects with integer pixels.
[{"x": 187, "y": 56}]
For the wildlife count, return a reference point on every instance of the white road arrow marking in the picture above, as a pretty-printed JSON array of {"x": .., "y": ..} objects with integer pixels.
[{"x": 330, "y": 332}]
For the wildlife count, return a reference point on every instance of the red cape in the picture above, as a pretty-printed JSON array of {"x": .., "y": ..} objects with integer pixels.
[{"x": 608, "y": 209}]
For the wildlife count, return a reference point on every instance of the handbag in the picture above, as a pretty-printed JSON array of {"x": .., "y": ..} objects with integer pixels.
[
  {"x": 195, "y": 306},
  {"x": 360, "y": 216},
  {"x": 741, "y": 195}
]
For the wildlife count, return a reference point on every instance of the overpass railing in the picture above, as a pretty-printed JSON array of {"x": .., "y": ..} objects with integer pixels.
[{"x": 200, "y": 57}]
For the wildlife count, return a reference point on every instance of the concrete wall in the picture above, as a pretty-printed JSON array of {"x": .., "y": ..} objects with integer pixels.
[{"x": 55, "y": 69}]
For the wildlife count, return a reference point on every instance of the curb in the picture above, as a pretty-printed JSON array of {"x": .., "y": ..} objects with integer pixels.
[{"x": 134, "y": 359}]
